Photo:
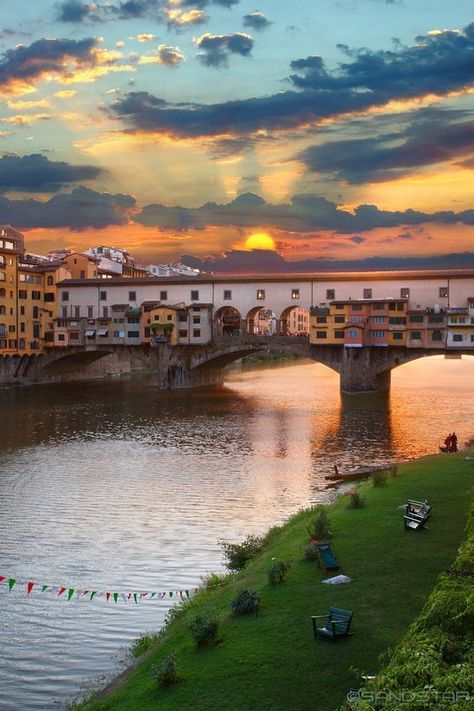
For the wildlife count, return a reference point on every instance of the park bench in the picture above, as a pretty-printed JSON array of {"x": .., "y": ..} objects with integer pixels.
[
  {"x": 419, "y": 508},
  {"x": 337, "y": 625}
]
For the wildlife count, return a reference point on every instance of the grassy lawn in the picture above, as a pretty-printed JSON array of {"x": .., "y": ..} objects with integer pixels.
[{"x": 273, "y": 661}]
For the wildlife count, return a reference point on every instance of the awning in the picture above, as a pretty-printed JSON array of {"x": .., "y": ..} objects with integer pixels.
[
  {"x": 102, "y": 332},
  {"x": 90, "y": 333}
]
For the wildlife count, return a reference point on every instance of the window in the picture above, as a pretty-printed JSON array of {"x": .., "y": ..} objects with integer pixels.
[
  {"x": 3, "y": 276},
  {"x": 22, "y": 294},
  {"x": 330, "y": 294},
  {"x": 196, "y": 332},
  {"x": 65, "y": 296},
  {"x": 472, "y": 339},
  {"x": 49, "y": 296},
  {"x": 83, "y": 274},
  {"x": 50, "y": 281},
  {"x": 227, "y": 295},
  {"x": 339, "y": 306},
  {"x": 356, "y": 307},
  {"x": 338, "y": 334},
  {"x": 35, "y": 312},
  {"x": 339, "y": 319},
  {"x": 321, "y": 319},
  {"x": 321, "y": 334},
  {"x": 405, "y": 293},
  {"x": 61, "y": 337},
  {"x": 260, "y": 294},
  {"x": 378, "y": 319},
  {"x": 196, "y": 319},
  {"x": 416, "y": 335},
  {"x": 416, "y": 318},
  {"x": 367, "y": 293},
  {"x": 36, "y": 295},
  {"x": 183, "y": 333},
  {"x": 77, "y": 312},
  {"x": 183, "y": 317},
  {"x": 457, "y": 337},
  {"x": 22, "y": 310},
  {"x": 194, "y": 295},
  {"x": 132, "y": 295},
  {"x": 136, "y": 319},
  {"x": 74, "y": 335},
  {"x": 36, "y": 330},
  {"x": 353, "y": 334},
  {"x": 105, "y": 311},
  {"x": 163, "y": 296},
  {"x": 103, "y": 296},
  {"x": 443, "y": 292},
  {"x": 133, "y": 334},
  {"x": 377, "y": 334},
  {"x": 64, "y": 311},
  {"x": 397, "y": 336},
  {"x": 436, "y": 336},
  {"x": 295, "y": 293},
  {"x": 378, "y": 307},
  {"x": 90, "y": 312},
  {"x": 169, "y": 317},
  {"x": 11, "y": 329}
]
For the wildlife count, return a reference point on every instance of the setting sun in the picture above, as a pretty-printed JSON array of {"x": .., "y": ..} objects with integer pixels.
[{"x": 260, "y": 240}]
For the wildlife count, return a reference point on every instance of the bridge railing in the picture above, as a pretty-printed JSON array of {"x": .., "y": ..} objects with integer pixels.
[{"x": 255, "y": 339}]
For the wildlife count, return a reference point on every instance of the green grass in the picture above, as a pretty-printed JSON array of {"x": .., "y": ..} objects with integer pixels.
[{"x": 272, "y": 661}]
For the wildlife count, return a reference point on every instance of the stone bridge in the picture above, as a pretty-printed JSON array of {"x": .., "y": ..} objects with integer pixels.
[{"x": 360, "y": 369}]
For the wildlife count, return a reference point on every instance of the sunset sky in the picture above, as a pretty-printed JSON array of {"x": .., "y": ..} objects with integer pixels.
[{"x": 308, "y": 131}]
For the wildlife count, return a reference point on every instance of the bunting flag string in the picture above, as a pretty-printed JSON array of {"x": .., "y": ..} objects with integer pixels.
[{"x": 89, "y": 594}]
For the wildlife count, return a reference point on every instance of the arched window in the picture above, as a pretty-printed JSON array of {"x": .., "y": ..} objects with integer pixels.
[
  {"x": 3, "y": 261},
  {"x": 3, "y": 276},
  {"x": 3, "y": 330},
  {"x": 50, "y": 281},
  {"x": 3, "y": 292},
  {"x": 3, "y": 310}
]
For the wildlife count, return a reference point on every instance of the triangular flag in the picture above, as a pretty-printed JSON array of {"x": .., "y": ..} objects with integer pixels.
[
  {"x": 135, "y": 597},
  {"x": 61, "y": 591},
  {"x": 29, "y": 587},
  {"x": 94, "y": 592},
  {"x": 115, "y": 597},
  {"x": 44, "y": 588},
  {"x": 86, "y": 592},
  {"x": 123, "y": 596},
  {"x": 153, "y": 594},
  {"x": 70, "y": 593},
  {"x": 171, "y": 594},
  {"x": 2, "y": 578},
  {"x": 11, "y": 583},
  {"x": 187, "y": 593},
  {"x": 107, "y": 595}
]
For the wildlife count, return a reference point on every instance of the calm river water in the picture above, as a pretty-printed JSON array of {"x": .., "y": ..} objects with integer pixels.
[{"x": 118, "y": 486}]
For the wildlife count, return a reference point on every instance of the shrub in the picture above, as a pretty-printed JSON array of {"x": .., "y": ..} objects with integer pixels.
[
  {"x": 142, "y": 644},
  {"x": 277, "y": 572},
  {"x": 204, "y": 630},
  {"x": 165, "y": 673},
  {"x": 356, "y": 501},
  {"x": 211, "y": 581},
  {"x": 246, "y": 601},
  {"x": 379, "y": 479},
  {"x": 237, "y": 555},
  {"x": 311, "y": 552},
  {"x": 318, "y": 528}
]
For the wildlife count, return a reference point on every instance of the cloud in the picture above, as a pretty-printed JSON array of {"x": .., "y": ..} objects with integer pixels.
[
  {"x": 178, "y": 20},
  {"x": 78, "y": 210},
  {"x": 143, "y": 37},
  {"x": 23, "y": 67},
  {"x": 215, "y": 49},
  {"x": 260, "y": 261},
  {"x": 440, "y": 64},
  {"x": 36, "y": 173},
  {"x": 169, "y": 56},
  {"x": 256, "y": 21},
  {"x": 74, "y": 11},
  {"x": 429, "y": 139},
  {"x": 304, "y": 213},
  {"x": 25, "y": 119}
]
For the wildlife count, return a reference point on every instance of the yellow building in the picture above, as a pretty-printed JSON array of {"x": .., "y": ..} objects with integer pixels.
[
  {"x": 161, "y": 323},
  {"x": 11, "y": 248}
]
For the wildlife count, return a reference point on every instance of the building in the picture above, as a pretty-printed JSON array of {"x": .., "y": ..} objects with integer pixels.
[{"x": 167, "y": 270}]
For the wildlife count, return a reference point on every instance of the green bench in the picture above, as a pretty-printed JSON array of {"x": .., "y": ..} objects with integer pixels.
[{"x": 337, "y": 625}]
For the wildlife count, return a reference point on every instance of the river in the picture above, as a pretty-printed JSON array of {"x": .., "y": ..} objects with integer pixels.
[{"x": 119, "y": 486}]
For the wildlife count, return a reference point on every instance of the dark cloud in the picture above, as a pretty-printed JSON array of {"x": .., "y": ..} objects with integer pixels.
[
  {"x": 438, "y": 64},
  {"x": 74, "y": 11},
  {"x": 262, "y": 261},
  {"x": 36, "y": 173},
  {"x": 26, "y": 64},
  {"x": 305, "y": 213},
  {"x": 79, "y": 210},
  {"x": 357, "y": 239},
  {"x": 257, "y": 21},
  {"x": 204, "y": 3},
  {"x": 214, "y": 50},
  {"x": 130, "y": 9},
  {"x": 425, "y": 141}
]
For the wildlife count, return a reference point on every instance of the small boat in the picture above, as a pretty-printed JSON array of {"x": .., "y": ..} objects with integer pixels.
[{"x": 359, "y": 473}]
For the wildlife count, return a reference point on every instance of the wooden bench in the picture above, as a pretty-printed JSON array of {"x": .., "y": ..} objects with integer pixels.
[{"x": 337, "y": 625}]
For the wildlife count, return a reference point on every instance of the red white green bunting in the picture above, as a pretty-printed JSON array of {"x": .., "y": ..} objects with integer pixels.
[{"x": 68, "y": 593}]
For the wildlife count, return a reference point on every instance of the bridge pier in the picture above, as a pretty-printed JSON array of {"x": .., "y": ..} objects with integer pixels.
[{"x": 360, "y": 371}]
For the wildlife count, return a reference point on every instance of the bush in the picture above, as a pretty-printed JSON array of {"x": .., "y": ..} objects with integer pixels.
[
  {"x": 211, "y": 581},
  {"x": 277, "y": 572},
  {"x": 246, "y": 601},
  {"x": 356, "y": 501},
  {"x": 142, "y": 644},
  {"x": 237, "y": 555},
  {"x": 379, "y": 479},
  {"x": 318, "y": 528},
  {"x": 393, "y": 471},
  {"x": 311, "y": 552},
  {"x": 165, "y": 673},
  {"x": 204, "y": 630}
]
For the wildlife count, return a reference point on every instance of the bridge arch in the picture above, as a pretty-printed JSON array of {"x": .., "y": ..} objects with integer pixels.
[
  {"x": 294, "y": 321},
  {"x": 227, "y": 321},
  {"x": 261, "y": 321}
]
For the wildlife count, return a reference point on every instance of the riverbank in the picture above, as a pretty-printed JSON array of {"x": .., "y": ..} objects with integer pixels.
[{"x": 272, "y": 661}]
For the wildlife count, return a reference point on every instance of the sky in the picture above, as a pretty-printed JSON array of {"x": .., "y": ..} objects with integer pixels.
[{"x": 268, "y": 137}]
